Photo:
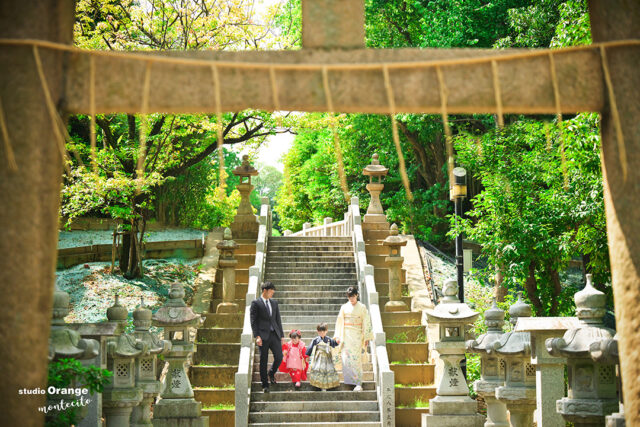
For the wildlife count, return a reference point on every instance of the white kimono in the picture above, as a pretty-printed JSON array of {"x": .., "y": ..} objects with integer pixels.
[{"x": 353, "y": 328}]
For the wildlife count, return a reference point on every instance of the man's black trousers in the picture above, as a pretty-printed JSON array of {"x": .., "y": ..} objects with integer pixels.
[{"x": 275, "y": 345}]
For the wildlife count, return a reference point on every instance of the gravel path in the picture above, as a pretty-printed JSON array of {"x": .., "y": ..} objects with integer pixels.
[{"x": 71, "y": 239}]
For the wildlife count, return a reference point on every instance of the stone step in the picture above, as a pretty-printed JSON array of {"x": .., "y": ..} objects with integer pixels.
[
  {"x": 223, "y": 320},
  {"x": 415, "y": 352},
  {"x": 303, "y": 248},
  {"x": 314, "y": 284},
  {"x": 323, "y": 254},
  {"x": 217, "y": 354},
  {"x": 206, "y": 376},
  {"x": 366, "y": 366},
  {"x": 310, "y": 239},
  {"x": 313, "y": 405},
  {"x": 415, "y": 333},
  {"x": 323, "y": 310},
  {"x": 219, "y": 335},
  {"x": 320, "y": 303},
  {"x": 320, "y": 424},
  {"x": 401, "y": 318},
  {"x": 414, "y": 373},
  {"x": 309, "y": 270},
  {"x": 220, "y": 417},
  {"x": 256, "y": 386},
  {"x": 410, "y": 417},
  {"x": 285, "y": 378},
  {"x": 314, "y": 416},
  {"x": 323, "y": 274},
  {"x": 309, "y": 294},
  {"x": 333, "y": 395},
  {"x": 305, "y": 319},
  {"x": 408, "y": 395},
  {"x": 211, "y": 397},
  {"x": 311, "y": 263}
]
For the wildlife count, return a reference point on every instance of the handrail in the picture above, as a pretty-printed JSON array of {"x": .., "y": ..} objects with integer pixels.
[
  {"x": 244, "y": 375},
  {"x": 383, "y": 374},
  {"x": 328, "y": 229}
]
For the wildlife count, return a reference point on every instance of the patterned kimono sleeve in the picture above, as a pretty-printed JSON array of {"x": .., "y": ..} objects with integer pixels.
[{"x": 367, "y": 332}]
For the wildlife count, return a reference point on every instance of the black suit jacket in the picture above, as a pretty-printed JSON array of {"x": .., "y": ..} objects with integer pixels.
[{"x": 261, "y": 323}]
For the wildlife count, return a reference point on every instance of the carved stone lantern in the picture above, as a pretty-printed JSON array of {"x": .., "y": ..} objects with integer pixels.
[
  {"x": 245, "y": 224},
  {"x": 121, "y": 395},
  {"x": 394, "y": 261},
  {"x": 227, "y": 263},
  {"x": 519, "y": 390},
  {"x": 606, "y": 352},
  {"x": 592, "y": 390},
  {"x": 375, "y": 219},
  {"x": 452, "y": 405},
  {"x": 146, "y": 366},
  {"x": 492, "y": 376},
  {"x": 64, "y": 342},
  {"x": 177, "y": 405}
]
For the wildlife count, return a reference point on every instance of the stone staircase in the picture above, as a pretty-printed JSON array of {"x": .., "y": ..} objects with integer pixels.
[{"x": 311, "y": 276}]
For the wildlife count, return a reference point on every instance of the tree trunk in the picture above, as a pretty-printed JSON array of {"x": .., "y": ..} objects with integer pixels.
[
  {"x": 557, "y": 288},
  {"x": 532, "y": 289},
  {"x": 129, "y": 263},
  {"x": 30, "y": 198},
  {"x": 500, "y": 290}
]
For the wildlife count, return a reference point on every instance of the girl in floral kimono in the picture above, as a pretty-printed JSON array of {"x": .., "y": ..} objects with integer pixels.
[
  {"x": 353, "y": 330},
  {"x": 294, "y": 358}
]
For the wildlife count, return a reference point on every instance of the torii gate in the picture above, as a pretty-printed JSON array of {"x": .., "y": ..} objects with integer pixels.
[{"x": 333, "y": 58}]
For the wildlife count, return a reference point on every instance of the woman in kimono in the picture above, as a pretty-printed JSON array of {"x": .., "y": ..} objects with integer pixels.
[{"x": 353, "y": 330}]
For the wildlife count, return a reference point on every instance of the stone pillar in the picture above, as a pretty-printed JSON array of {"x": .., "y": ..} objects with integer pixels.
[
  {"x": 549, "y": 369},
  {"x": 394, "y": 261},
  {"x": 245, "y": 224},
  {"x": 592, "y": 390},
  {"x": 30, "y": 197},
  {"x": 287, "y": 232},
  {"x": 227, "y": 263},
  {"x": 519, "y": 390},
  {"x": 327, "y": 221},
  {"x": 491, "y": 375},
  {"x": 121, "y": 396},
  {"x": 452, "y": 406},
  {"x": 146, "y": 366},
  {"x": 177, "y": 405}
]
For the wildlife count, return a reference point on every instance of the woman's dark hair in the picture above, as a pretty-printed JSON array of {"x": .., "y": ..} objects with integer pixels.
[
  {"x": 322, "y": 327},
  {"x": 352, "y": 291},
  {"x": 267, "y": 285}
]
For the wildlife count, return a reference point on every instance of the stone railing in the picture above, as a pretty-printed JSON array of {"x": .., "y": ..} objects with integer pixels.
[
  {"x": 245, "y": 363},
  {"x": 383, "y": 375},
  {"x": 328, "y": 229}
]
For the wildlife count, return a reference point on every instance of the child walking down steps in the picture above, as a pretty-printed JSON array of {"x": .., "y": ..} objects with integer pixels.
[
  {"x": 294, "y": 362},
  {"x": 322, "y": 374}
]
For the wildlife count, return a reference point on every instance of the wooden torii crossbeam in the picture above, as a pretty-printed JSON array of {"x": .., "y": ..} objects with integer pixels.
[{"x": 333, "y": 40}]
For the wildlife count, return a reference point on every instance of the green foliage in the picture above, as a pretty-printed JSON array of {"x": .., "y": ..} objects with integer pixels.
[{"x": 66, "y": 373}]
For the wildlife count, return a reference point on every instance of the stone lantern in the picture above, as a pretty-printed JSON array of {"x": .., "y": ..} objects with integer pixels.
[
  {"x": 592, "y": 390},
  {"x": 375, "y": 219},
  {"x": 146, "y": 366},
  {"x": 245, "y": 224},
  {"x": 452, "y": 405},
  {"x": 64, "y": 342},
  {"x": 122, "y": 395},
  {"x": 519, "y": 390},
  {"x": 177, "y": 405},
  {"x": 492, "y": 376},
  {"x": 227, "y": 263},
  {"x": 394, "y": 261},
  {"x": 606, "y": 352}
]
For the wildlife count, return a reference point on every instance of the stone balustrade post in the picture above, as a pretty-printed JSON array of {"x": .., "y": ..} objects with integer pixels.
[
  {"x": 146, "y": 366},
  {"x": 245, "y": 224},
  {"x": 549, "y": 369},
  {"x": 452, "y": 405},
  {"x": 491, "y": 375},
  {"x": 121, "y": 395},
  {"x": 592, "y": 391},
  {"x": 177, "y": 405},
  {"x": 327, "y": 221},
  {"x": 519, "y": 390},
  {"x": 227, "y": 263},
  {"x": 287, "y": 232},
  {"x": 394, "y": 261}
]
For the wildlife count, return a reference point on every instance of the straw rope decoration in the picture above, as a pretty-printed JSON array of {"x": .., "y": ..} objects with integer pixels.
[
  {"x": 445, "y": 122},
  {"x": 622, "y": 151},
  {"x": 556, "y": 96},
  {"x": 52, "y": 110},
  {"x": 216, "y": 92},
  {"x": 144, "y": 125},
  {"x": 497, "y": 92},
  {"x": 92, "y": 112},
  {"x": 394, "y": 132},
  {"x": 11, "y": 159},
  {"x": 336, "y": 137}
]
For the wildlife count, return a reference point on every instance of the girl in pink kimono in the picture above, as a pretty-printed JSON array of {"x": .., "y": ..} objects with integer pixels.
[
  {"x": 353, "y": 330},
  {"x": 294, "y": 358}
]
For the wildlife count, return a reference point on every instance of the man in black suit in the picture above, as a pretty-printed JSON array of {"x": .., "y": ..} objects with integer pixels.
[{"x": 267, "y": 330}]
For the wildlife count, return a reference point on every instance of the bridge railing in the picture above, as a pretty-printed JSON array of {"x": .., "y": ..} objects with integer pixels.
[
  {"x": 328, "y": 229},
  {"x": 243, "y": 376},
  {"x": 383, "y": 375}
]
